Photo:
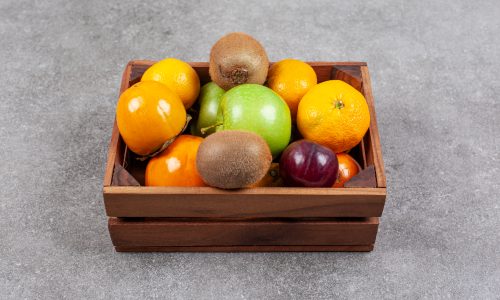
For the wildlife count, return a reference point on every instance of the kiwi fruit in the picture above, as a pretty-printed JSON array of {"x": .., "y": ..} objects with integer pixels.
[
  {"x": 238, "y": 58},
  {"x": 233, "y": 159}
]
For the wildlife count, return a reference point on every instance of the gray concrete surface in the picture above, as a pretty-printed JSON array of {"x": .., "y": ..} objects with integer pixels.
[{"x": 435, "y": 78}]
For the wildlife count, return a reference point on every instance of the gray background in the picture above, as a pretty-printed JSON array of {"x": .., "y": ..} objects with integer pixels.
[{"x": 435, "y": 80}]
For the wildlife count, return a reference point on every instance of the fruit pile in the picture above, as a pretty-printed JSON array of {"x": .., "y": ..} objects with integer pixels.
[{"x": 228, "y": 133}]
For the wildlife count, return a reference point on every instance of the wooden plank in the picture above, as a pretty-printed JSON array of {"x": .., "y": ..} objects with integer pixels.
[
  {"x": 121, "y": 177},
  {"x": 349, "y": 74},
  {"x": 323, "y": 69},
  {"x": 129, "y": 201},
  {"x": 341, "y": 248},
  {"x": 365, "y": 178},
  {"x": 148, "y": 63},
  {"x": 363, "y": 153},
  {"x": 337, "y": 63},
  {"x": 285, "y": 232},
  {"x": 374, "y": 134},
  {"x": 368, "y": 147},
  {"x": 110, "y": 162},
  {"x": 323, "y": 72},
  {"x": 113, "y": 144}
]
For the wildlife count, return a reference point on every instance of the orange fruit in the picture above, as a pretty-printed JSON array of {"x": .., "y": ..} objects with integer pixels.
[
  {"x": 333, "y": 114},
  {"x": 272, "y": 178},
  {"x": 148, "y": 114},
  {"x": 291, "y": 79},
  {"x": 176, "y": 165},
  {"x": 348, "y": 168},
  {"x": 178, "y": 76}
]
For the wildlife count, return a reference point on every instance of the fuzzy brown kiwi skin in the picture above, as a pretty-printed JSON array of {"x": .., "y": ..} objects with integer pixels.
[
  {"x": 233, "y": 159},
  {"x": 238, "y": 58}
]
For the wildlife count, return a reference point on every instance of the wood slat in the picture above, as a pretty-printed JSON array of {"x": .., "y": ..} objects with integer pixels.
[
  {"x": 322, "y": 69},
  {"x": 342, "y": 248},
  {"x": 129, "y": 201},
  {"x": 121, "y": 177},
  {"x": 366, "y": 178},
  {"x": 374, "y": 134},
  {"x": 368, "y": 147},
  {"x": 364, "y": 163},
  {"x": 348, "y": 73},
  {"x": 144, "y": 63},
  {"x": 181, "y": 233},
  {"x": 115, "y": 135}
]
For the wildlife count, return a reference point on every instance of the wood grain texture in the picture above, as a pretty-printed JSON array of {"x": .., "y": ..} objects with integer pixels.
[
  {"x": 366, "y": 178},
  {"x": 153, "y": 232},
  {"x": 350, "y": 74},
  {"x": 374, "y": 134},
  {"x": 338, "y": 248},
  {"x": 121, "y": 177},
  {"x": 245, "y": 203},
  {"x": 323, "y": 69},
  {"x": 111, "y": 157},
  {"x": 364, "y": 163},
  {"x": 368, "y": 146},
  {"x": 115, "y": 135}
]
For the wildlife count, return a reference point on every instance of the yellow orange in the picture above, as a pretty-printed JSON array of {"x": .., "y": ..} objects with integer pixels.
[
  {"x": 176, "y": 165},
  {"x": 333, "y": 114},
  {"x": 178, "y": 76},
  {"x": 148, "y": 114},
  {"x": 291, "y": 79}
]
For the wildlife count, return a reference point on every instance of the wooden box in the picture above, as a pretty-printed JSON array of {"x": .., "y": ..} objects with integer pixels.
[{"x": 256, "y": 219}]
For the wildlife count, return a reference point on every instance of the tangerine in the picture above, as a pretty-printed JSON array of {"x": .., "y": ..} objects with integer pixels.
[
  {"x": 333, "y": 114},
  {"x": 178, "y": 76},
  {"x": 291, "y": 79},
  {"x": 176, "y": 165},
  {"x": 148, "y": 114}
]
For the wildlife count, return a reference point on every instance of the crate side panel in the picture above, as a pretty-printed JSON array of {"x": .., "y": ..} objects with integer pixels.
[
  {"x": 249, "y": 203},
  {"x": 192, "y": 233},
  {"x": 374, "y": 143},
  {"x": 350, "y": 74},
  {"x": 343, "y": 248},
  {"x": 115, "y": 143}
]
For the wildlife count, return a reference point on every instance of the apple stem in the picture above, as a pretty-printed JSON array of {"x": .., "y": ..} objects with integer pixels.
[{"x": 205, "y": 129}]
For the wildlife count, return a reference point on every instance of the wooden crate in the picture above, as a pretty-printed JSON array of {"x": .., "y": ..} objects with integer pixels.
[{"x": 257, "y": 219}]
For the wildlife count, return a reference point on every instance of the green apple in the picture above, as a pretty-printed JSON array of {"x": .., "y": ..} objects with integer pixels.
[
  {"x": 210, "y": 97},
  {"x": 259, "y": 109}
]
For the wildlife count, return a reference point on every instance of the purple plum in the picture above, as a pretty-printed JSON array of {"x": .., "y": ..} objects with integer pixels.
[{"x": 308, "y": 164}]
